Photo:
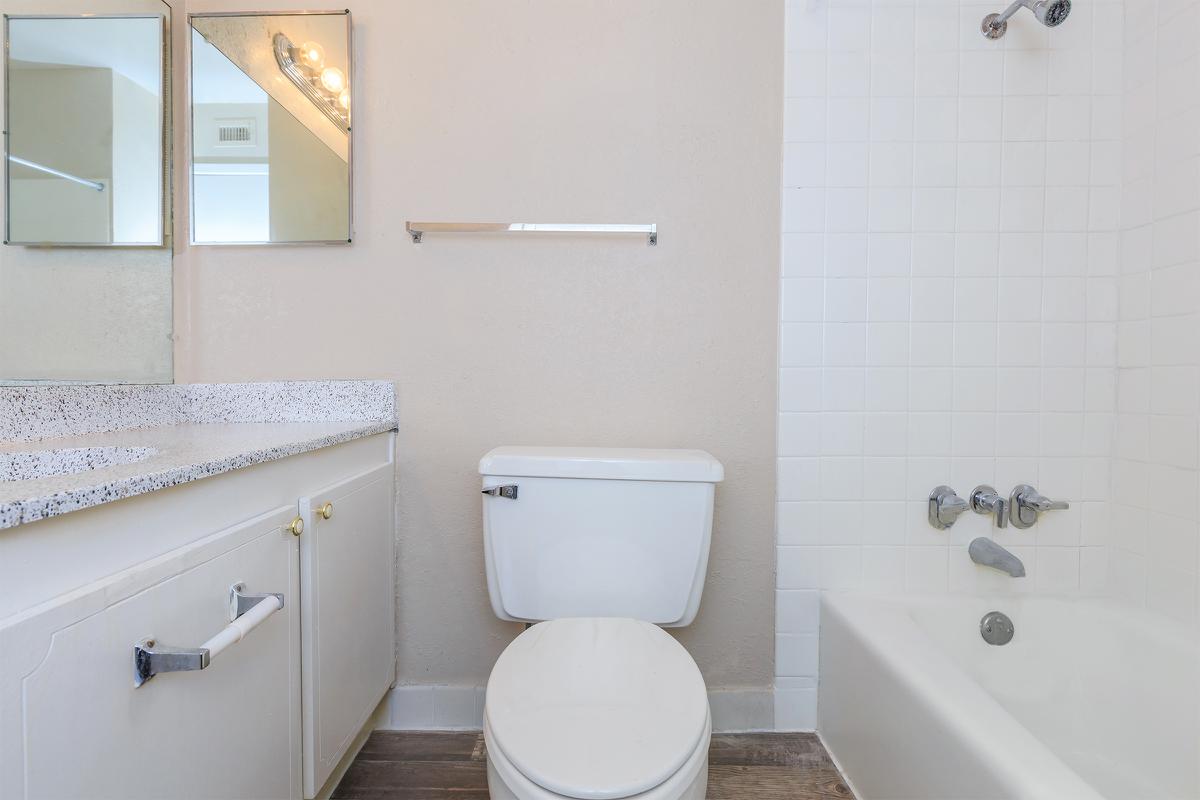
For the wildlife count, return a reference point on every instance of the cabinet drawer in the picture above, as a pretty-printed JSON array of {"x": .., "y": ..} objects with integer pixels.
[{"x": 227, "y": 731}]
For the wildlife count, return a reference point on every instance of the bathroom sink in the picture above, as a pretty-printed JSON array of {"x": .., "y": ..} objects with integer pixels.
[{"x": 31, "y": 464}]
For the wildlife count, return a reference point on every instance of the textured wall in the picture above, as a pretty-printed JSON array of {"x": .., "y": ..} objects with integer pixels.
[
  {"x": 662, "y": 112},
  {"x": 951, "y": 230}
]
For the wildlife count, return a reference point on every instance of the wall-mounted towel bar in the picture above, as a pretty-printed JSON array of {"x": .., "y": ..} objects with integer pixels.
[
  {"x": 418, "y": 229},
  {"x": 248, "y": 612},
  {"x": 97, "y": 185}
]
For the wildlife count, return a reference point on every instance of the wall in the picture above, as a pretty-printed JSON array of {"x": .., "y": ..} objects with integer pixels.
[
  {"x": 949, "y": 297},
  {"x": 1156, "y": 484},
  {"x": 541, "y": 111}
]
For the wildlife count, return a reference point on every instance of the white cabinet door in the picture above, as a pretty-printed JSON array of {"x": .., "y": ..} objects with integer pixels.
[
  {"x": 74, "y": 726},
  {"x": 347, "y": 615}
]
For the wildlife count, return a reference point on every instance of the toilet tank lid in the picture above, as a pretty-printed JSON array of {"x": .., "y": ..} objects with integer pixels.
[{"x": 603, "y": 463}]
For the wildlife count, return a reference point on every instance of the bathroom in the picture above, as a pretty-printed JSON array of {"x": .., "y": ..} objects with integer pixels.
[{"x": 865, "y": 330}]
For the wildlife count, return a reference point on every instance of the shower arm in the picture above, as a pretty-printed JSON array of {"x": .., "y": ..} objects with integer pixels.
[{"x": 1004, "y": 15}]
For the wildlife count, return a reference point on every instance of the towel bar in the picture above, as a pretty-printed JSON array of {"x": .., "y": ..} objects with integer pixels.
[
  {"x": 248, "y": 612},
  {"x": 418, "y": 229}
]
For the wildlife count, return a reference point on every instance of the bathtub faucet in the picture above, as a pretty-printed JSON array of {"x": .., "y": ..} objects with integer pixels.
[{"x": 986, "y": 552}]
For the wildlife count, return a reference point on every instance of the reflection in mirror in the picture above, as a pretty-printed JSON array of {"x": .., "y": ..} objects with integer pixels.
[
  {"x": 271, "y": 101},
  {"x": 94, "y": 314},
  {"x": 85, "y": 130}
]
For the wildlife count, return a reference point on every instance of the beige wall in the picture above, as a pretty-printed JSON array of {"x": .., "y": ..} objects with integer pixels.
[{"x": 540, "y": 111}]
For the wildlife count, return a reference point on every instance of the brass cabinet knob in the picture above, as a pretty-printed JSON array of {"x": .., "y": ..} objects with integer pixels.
[
  {"x": 326, "y": 511},
  {"x": 297, "y": 526}
]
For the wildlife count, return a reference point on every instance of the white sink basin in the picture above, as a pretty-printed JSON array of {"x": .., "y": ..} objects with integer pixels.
[{"x": 31, "y": 464}]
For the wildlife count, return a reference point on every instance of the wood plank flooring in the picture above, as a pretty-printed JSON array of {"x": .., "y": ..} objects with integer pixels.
[{"x": 425, "y": 765}]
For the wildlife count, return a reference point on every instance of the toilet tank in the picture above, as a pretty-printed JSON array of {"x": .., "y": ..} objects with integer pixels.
[{"x": 597, "y": 532}]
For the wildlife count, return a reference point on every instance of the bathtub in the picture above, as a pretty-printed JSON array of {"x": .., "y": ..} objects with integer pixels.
[{"x": 1087, "y": 702}]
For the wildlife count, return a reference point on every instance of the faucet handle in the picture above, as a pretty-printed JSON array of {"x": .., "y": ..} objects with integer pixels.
[
  {"x": 1043, "y": 503},
  {"x": 1026, "y": 503},
  {"x": 944, "y": 507},
  {"x": 985, "y": 500}
]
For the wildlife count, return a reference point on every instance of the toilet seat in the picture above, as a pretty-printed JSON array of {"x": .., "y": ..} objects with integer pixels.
[
  {"x": 597, "y": 709},
  {"x": 505, "y": 782}
]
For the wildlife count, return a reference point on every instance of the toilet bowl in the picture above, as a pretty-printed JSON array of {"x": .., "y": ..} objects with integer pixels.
[{"x": 596, "y": 708}]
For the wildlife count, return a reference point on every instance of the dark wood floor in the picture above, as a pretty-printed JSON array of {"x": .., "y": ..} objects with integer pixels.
[{"x": 417, "y": 765}]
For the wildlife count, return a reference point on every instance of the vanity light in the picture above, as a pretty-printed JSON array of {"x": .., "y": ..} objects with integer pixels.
[
  {"x": 333, "y": 79},
  {"x": 326, "y": 87},
  {"x": 312, "y": 55}
]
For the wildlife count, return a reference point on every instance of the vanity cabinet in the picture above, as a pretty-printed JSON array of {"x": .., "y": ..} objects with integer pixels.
[
  {"x": 347, "y": 615},
  {"x": 271, "y": 715},
  {"x": 88, "y": 732}
]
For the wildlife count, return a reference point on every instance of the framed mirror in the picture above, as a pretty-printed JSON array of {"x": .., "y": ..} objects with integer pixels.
[
  {"x": 85, "y": 108},
  {"x": 89, "y": 308},
  {"x": 270, "y": 128}
]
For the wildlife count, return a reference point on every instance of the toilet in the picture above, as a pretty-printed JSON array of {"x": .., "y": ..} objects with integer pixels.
[{"x": 603, "y": 548}]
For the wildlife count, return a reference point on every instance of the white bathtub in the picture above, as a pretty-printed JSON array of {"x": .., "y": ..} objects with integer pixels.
[{"x": 1087, "y": 700}]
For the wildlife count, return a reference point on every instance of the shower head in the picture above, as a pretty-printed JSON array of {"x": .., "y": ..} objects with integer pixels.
[{"x": 1048, "y": 12}]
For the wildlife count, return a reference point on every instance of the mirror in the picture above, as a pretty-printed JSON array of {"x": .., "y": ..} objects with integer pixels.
[
  {"x": 87, "y": 314},
  {"x": 271, "y": 128},
  {"x": 85, "y": 142}
]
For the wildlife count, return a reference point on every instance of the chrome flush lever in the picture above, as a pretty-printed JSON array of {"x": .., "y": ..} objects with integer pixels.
[
  {"x": 984, "y": 500},
  {"x": 1026, "y": 503},
  {"x": 509, "y": 491}
]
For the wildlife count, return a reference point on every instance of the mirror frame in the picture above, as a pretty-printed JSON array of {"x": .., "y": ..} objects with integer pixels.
[
  {"x": 166, "y": 172},
  {"x": 350, "y": 82}
]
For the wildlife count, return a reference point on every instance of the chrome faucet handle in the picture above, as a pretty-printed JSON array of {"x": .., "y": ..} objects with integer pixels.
[
  {"x": 985, "y": 500},
  {"x": 1026, "y": 503},
  {"x": 944, "y": 507}
]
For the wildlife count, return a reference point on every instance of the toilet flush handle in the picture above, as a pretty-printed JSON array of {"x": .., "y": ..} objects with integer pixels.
[{"x": 509, "y": 491}]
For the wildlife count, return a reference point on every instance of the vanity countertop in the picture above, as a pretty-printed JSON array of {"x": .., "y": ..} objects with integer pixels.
[{"x": 208, "y": 429}]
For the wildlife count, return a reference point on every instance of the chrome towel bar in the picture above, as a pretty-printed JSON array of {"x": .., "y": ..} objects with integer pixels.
[
  {"x": 248, "y": 612},
  {"x": 418, "y": 229}
]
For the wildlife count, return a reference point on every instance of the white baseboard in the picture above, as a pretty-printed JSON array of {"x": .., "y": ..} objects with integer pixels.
[
  {"x": 740, "y": 710},
  {"x": 434, "y": 708},
  {"x": 449, "y": 708}
]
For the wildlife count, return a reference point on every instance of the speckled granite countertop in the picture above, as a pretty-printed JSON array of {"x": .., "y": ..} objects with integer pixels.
[{"x": 146, "y": 438}]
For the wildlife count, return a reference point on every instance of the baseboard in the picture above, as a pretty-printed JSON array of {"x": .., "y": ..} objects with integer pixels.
[
  {"x": 742, "y": 710},
  {"x": 434, "y": 708},
  {"x": 450, "y": 708}
]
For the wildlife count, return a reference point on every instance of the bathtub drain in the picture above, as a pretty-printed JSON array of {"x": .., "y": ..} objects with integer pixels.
[{"x": 996, "y": 628}]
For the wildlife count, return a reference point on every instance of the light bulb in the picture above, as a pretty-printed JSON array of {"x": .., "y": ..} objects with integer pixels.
[
  {"x": 344, "y": 99},
  {"x": 312, "y": 55},
  {"x": 333, "y": 79}
]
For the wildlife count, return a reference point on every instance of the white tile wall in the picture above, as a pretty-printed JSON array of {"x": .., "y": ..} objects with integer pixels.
[
  {"x": 1154, "y": 559},
  {"x": 950, "y": 283}
]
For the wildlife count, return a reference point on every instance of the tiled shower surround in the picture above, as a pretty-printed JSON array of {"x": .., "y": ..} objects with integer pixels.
[
  {"x": 951, "y": 271},
  {"x": 1155, "y": 539}
]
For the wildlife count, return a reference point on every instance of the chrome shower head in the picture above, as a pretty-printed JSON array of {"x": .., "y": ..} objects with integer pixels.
[{"x": 1048, "y": 12}]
